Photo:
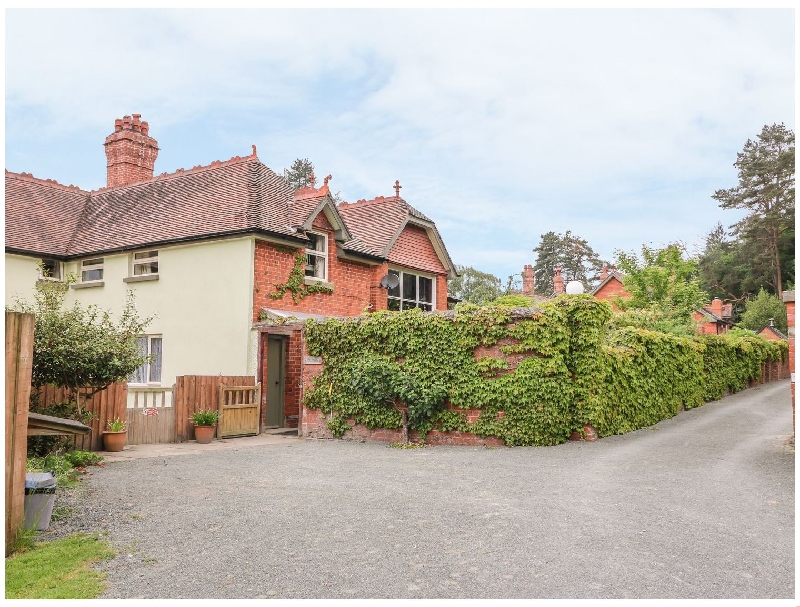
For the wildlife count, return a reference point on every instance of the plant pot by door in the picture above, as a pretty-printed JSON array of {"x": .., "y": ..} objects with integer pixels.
[
  {"x": 204, "y": 434},
  {"x": 114, "y": 441}
]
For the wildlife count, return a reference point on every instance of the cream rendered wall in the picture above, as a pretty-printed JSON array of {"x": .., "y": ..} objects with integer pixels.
[
  {"x": 21, "y": 276},
  {"x": 202, "y": 303}
]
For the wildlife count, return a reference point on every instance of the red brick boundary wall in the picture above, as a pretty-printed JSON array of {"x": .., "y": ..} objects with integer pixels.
[
  {"x": 788, "y": 298},
  {"x": 314, "y": 423}
]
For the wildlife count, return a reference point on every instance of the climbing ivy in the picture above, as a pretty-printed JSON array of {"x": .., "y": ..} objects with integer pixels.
[
  {"x": 419, "y": 371},
  {"x": 295, "y": 284}
]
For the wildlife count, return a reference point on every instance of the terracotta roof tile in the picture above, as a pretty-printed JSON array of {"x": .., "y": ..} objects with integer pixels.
[
  {"x": 41, "y": 215},
  {"x": 239, "y": 195}
]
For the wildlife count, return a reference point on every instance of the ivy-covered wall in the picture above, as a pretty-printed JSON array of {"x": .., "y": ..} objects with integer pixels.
[{"x": 521, "y": 376}]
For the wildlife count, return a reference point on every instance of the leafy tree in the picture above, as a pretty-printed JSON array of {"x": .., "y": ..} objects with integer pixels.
[
  {"x": 76, "y": 347},
  {"x": 766, "y": 192},
  {"x": 664, "y": 281},
  {"x": 299, "y": 176},
  {"x": 759, "y": 310},
  {"x": 572, "y": 254},
  {"x": 720, "y": 266},
  {"x": 474, "y": 286}
]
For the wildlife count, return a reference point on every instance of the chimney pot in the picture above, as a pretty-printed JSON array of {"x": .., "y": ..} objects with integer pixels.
[
  {"x": 558, "y": 283},
  {"x": 130, "y": 152}
]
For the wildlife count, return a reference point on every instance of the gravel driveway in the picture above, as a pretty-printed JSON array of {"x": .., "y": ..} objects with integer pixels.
[{"x": 699, "y": 506}]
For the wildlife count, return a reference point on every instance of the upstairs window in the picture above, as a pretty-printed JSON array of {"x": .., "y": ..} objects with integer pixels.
[
  {"x": 145, "y": 263},
  {"x": 317, "y": 256},
  {"x": 412, "y": 291},
  {"x": 51, "y": 269},
  {"x": 149, "y": 372},
  {"x": 92, "y": 270}
]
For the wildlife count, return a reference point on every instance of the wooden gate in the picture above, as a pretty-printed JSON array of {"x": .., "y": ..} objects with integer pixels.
[{"x": 239, "y": 408}]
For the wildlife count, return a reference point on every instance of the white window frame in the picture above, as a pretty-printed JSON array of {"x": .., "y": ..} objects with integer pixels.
[
  {"x": 99, "y": 265},
  {"x": 145, "y": 262},
  {"x": 58, "y": 267},
  {"x": 406, "y": 303},
  {"x": 323, "y": 254},
  {"x": 148, "y": 368}
]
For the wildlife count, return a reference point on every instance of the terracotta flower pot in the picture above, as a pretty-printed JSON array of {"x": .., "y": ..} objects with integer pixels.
[
  {"x": 204, "y": 434},
  {"x": 114, "y": 441}
]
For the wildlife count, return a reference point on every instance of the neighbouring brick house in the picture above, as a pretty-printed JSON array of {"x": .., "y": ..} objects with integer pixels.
[
  {"x": 610, "y": 286},
  {"x": 715, "y": 318},
  {"x": 206, "y": 250},
  {"x": 770, "y": 331}
]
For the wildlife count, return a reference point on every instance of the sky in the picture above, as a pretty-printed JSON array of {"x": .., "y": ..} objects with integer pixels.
[{"x": 501, "y": 125}]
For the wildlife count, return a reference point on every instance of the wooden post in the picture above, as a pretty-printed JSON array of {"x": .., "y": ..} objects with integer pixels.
[{"x": 19, "y": 364}]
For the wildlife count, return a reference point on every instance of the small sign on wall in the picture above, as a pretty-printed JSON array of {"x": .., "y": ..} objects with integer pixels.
[{"x": 312, "y": 360}]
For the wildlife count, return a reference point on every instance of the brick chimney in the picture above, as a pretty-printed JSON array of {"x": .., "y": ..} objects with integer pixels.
[
  {"x": 130, "y": 152},
  {"x": 604, "y": 273},
  {"x": 558, "y": 283},
  {"x": 716, "y": 307},
  {"x": 527, "y": 280}
]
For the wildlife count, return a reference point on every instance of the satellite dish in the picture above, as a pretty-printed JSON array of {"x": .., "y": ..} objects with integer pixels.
[{"x": 390, "y": 281}]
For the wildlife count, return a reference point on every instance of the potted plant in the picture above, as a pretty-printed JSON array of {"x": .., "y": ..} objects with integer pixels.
[
  {"x": 114, "y": 438},
  {"x": 205, "y": 421}
]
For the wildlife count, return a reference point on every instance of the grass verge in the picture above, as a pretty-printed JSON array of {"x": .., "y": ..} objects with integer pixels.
[{"x": 58, "y": 569}]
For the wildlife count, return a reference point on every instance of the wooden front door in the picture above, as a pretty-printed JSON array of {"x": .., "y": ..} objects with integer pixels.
[
  {"x": 276, "y": 377},
  {"x": 239, "y": 409}
]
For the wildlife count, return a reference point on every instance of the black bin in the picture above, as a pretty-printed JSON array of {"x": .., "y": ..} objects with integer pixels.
[{"x": 40, "y": 495}]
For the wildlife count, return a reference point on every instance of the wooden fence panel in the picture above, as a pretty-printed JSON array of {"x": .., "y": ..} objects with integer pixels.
[
  {"x": 19, "y": 362},
  {"x": 196, "y": 392},
  {"x": 105, "y": 405}
]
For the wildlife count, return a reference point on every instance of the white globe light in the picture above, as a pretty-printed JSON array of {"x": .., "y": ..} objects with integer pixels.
[{"x": 574, "y": 287}]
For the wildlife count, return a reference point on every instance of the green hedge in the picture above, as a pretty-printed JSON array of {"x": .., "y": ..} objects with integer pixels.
[{"x": 572, "y": 369}]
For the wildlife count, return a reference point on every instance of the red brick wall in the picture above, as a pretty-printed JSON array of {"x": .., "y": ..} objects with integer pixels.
[
  {"x": 767, "y": 334},
  {"x": 356, "y": 286},
  {"x": 788, "y": 298},
  {"x": 613, "y": 288},
  {"x": 352, "y": 281}
]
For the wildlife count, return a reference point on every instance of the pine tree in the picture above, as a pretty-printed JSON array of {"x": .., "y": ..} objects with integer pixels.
[{"x": 766, "y": 191}]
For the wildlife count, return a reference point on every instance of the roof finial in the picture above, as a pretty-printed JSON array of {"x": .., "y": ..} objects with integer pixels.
[
  {"x": 312, "y": 180},
  {"x": 327, "y": 179},
  {"x": 397, "y": 187},
  {"x": 254, "y": 149}
]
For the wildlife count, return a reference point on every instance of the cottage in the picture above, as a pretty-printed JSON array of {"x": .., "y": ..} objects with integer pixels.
[{"x": 223, "y": 255}]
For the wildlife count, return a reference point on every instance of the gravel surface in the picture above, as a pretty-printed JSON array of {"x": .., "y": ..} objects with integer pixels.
[{"x": 698, "y": 506}]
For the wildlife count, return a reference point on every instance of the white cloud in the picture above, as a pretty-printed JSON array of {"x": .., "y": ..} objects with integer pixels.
[{"x": 501, "y": 125}]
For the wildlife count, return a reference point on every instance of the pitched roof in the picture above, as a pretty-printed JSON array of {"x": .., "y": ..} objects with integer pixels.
[
  {"x": 612, "y": 275},
  {"x": 236, "y": 196},
  {"x": 773, "y": 329},
  {"x": 41, "y": 215},
  {"x": 378, "y": 223}
]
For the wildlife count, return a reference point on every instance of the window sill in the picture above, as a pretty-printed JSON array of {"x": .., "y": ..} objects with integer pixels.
[
  {"x": 308, "y": 281},
  {"x": 88, "y": 285},
  {"x": 145, "y": 278},
  {"x": 42, "y": 279}
]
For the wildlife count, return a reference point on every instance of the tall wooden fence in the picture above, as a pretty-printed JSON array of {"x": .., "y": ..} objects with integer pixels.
[
  {"x": 19, "y": 361},
  {"x": 106, "y": 405},
  {"x": 196, "y": 392}
]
